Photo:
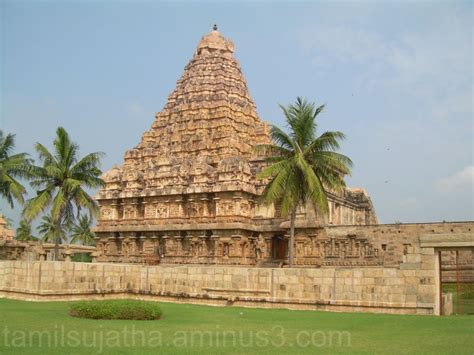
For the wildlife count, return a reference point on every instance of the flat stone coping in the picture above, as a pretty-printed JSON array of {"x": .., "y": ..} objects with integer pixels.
[{"x": 452, "y": 240}]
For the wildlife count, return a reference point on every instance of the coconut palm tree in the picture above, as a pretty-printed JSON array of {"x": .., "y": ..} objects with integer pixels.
[
  {"x": 24, "y": 232},
  {"x": 12, "y": 167},
  {"x": 61, "y": 181},
  {"x": 50, "y": 232},
  {"x": 81, "y": 231},
  {"x": 302, "y": 166}
]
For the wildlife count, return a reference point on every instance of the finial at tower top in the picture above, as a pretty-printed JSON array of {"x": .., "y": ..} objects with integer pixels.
[{"x": 214, "y": 43}]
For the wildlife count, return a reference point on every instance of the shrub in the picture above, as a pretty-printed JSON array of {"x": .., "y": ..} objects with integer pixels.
[
  {"x": 116, "y": 309},
  {"x": 82, "y": 258}
]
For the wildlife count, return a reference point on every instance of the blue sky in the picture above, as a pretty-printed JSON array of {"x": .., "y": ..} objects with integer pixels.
[{"x": 397, "y": 78}]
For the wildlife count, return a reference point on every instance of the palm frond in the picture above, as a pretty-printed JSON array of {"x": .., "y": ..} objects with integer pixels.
[
  {"x": 314, "y": 188},
  {"x": 281, "y": 139},
  {"x": 38, "y": 204},
  {"x": 304, "y": 165},
  {"x": 327, "y": 141},
  {"x": 12, "y": 167}
]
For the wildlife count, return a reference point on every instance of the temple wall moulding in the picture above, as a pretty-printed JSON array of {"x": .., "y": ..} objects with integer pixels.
[{"x": 197, "y": 166}]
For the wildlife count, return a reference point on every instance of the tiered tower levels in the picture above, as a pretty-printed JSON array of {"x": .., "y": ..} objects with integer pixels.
[
  {"x": 203, "y": 140},
  {"x": 188, "y": 191}
]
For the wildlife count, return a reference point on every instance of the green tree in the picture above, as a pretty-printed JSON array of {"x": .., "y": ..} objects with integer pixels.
[
  {"x": 81, "y": 231},
  {"x": 12, "y": 167},
  {"x": 60, "y": 181},
  {"x": 24, "y": 232},
  {"x": 302, "y": 166},
  {"x": 50, "y": 232}
]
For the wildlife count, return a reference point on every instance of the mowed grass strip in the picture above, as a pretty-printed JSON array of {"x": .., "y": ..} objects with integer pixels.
[{"x": 46, "y": 328}]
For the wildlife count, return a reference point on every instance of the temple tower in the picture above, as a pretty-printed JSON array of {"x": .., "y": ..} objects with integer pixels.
[{"x": 188, "y": 193}]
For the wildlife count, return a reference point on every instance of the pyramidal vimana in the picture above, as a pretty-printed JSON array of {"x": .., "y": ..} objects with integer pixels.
[{"x": 188, "y": 192}]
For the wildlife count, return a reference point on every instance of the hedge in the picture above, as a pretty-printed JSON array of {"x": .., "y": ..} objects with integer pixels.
[{"x": 116, "y": 309}]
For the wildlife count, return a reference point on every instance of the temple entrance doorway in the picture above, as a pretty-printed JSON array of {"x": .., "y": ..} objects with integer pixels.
[
  {"x": 279, "y": 248},
  {"x": 457, "y": 281}
]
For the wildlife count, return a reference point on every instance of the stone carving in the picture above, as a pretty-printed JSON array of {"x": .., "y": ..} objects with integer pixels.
[
  {"x": 129, "y": 212},
  {"x": 162, "y": 211},
  {"x": 196, "y": 168},
  {"x": 5, "y": 232},
  {"x": 261, "y": 247},
  {"x": 245, "y": 208},
  {"x": 150, "y": 211},
  {"x": 106, "y": 213}
]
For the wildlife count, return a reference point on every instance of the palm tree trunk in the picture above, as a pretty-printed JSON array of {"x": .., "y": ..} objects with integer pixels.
[
  {"x": 57, "y": 237},
  {"x": 291, "y": 247},
  {"x": 56, "y": 241}
]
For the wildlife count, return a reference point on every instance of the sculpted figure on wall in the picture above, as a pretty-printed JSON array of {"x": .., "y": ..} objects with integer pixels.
[
  {"x": 106, "y": 213},
  {"x": 162, "y": 211},
  {"x": 150, "y": 211},
  {"x": 129, "y": 212},
  {"x": 261, "y": 247}
]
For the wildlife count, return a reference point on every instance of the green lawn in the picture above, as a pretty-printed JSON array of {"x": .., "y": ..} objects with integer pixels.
[{"x": 191, "y": 329}]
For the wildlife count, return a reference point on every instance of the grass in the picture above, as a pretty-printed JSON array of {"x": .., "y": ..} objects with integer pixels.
[{"x": 186, "y": 329}]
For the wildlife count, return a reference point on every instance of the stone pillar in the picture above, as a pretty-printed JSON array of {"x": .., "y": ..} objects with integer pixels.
[
  {"x": 156, "y": 244},
  {"x": 189, "y": 207},
  {"x": 114, "y": 210},
  {"x": 216, "y": 202},
  {"x": 331, "y": 205},
  {"x": 236, "y": 250},
  {"x": 136, "y": 209},
  {"x": 437, "y": 264},
  {"x": 237, "y": 200},
  {"x": 179, "y": 246},
  {"x": 205, "y": 202},
  {"x": 41, "y": 254},
  {"x": 67, "y": 255},
  {"x": 179, "y": 202},
  {"x": 145, "y": 209}
]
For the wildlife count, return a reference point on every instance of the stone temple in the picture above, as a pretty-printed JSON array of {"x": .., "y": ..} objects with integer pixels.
[{"x": 188, "y": 193}]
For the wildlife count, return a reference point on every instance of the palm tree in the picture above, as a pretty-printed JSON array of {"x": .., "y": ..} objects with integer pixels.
[
  {"x": 302, "y": 166},
  {"x": 81, "y": 231},
  {"x": 50, "y": 232},
  {"x": 12, "y": 167},
  {"x": 60, "y": 183},
  {"x": 23, "y": 232}
]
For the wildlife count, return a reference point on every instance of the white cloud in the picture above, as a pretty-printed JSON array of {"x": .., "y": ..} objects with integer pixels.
[
  {"x": 461, "y": 181},
  {"x": 433, "y": 61}
]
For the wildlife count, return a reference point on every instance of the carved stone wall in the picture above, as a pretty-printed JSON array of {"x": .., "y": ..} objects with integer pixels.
[
  {"x": 190, "y": 185},
  {"x": 35, "y": 250},
  {"x": 5, "y": 232}
]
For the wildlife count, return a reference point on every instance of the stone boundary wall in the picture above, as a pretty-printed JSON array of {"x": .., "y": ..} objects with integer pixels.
[{"x": 369, "y": 289}]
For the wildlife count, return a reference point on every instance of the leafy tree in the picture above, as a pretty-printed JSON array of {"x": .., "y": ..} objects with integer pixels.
[
  {"x": 302, "y": 166},
  {"x": 24, "y": 232},
  {"x": 81, "y": 231},
  {"x": 50, "y": 232},
  {"x": 12, "y": 167},
  {"x": 60, "y": 181}
]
